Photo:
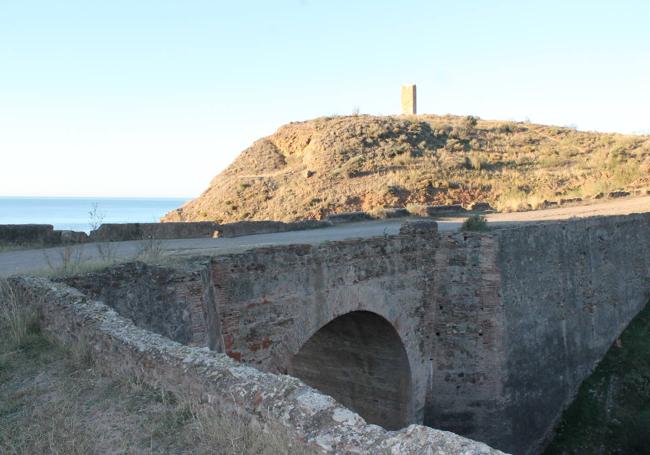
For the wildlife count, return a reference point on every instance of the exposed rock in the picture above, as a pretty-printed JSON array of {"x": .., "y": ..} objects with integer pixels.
[
  {"x": 617, "y": 194},
  {"x": 572, "y": 200},
  {"x": 481, "y": 207},
  {"x": 395, "y": 213}
]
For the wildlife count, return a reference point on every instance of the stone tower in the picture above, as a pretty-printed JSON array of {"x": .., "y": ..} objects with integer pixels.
[{"x": 409, "y": 106}]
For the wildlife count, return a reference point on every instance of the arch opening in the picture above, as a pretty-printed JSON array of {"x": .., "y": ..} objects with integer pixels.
[{"x": 359, "y": 359}]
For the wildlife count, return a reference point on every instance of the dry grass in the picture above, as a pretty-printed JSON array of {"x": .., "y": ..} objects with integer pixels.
[
  {"x": 328, "y": 165},
  {"x": 15, "y": 319},
  {"x": 151, "y": 249},
  {"x": 54, "y": 400},
  {"x": 70, "y": 260}
]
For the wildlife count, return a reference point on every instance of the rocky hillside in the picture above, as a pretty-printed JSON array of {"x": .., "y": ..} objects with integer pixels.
[{"x": 307, "y": 170}]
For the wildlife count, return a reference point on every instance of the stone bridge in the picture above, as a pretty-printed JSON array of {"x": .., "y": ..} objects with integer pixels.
[{"x": 488, "y": 335}]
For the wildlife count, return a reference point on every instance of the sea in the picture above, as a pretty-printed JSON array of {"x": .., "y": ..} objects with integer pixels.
[{"x": 74, "y": 213}]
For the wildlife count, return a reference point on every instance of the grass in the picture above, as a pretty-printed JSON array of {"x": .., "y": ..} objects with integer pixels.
[
  {"x": 54, "y": 400},
  {"x": 71, "y": 260},
  {"x": 611, "y": 413}
]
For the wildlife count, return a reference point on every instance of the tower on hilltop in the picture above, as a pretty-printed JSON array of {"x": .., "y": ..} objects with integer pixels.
[{"x": 409, "y": 106}]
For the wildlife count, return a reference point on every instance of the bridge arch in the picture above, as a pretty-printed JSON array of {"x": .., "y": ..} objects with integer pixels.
[{"x": 359, "y": 359}]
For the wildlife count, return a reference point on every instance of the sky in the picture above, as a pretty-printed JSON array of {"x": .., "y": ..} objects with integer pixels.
[{"x": 153, "y": 98}]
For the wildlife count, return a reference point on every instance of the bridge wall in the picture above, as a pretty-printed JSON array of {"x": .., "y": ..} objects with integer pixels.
[
  {"x": 500, "y": 328},
  {"x": 568, "y": 290},
  {"x": 465, "y": 335},
  {"x": 440, "y": 293},
  {"x": 271, "y": 301}
]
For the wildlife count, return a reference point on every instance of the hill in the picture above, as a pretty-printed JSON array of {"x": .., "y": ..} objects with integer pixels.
[{"x": 307, "y": 170}]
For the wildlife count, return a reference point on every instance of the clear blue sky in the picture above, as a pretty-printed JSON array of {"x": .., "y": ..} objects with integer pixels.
[{"x": 154, "y": 98}]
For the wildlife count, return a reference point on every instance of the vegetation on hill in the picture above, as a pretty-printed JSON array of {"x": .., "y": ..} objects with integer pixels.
[
  {"x": 611, "y": 414},
  {"x": 307, "y": 170}
]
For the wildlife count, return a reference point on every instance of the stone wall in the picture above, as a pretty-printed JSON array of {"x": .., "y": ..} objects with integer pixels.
[
  {"x": 115, "y": 232},
  {"x": 272, "y": 300},
  {"x": 202, "y": 376},
  {"x": 267, "y": 227},
  {"x": 26, "y": 234},
  {"x": 439, "y": 293},
  {"x": 500, "y": 328},
  {"x": 37, "y": 235},
  {"x": 137, "y": 231},
  {"x": 165, "y": 300},
  {"x": 568, "y": 290}
]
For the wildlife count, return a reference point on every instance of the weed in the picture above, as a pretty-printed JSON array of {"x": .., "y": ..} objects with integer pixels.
[
  {"x": 65, "y": 260},
  {"x": 151, "y": 248},
  {"x": 107, "y": 250}
]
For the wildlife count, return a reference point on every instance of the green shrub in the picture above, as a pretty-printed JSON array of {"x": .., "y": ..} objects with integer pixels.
[{"x": 475, "y": 223}]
